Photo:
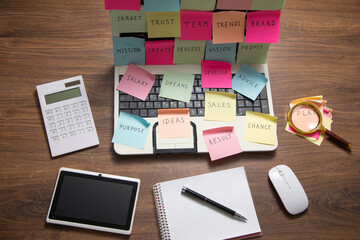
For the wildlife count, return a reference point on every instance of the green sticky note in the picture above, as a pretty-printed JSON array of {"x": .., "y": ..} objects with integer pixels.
[
  {"x": 268, "y": 4},
  {"x": 188, "y": 52},
  {"x": 199, "y": 5},
  {"x": 252, "y": 52},
  {"x": 126, "y": 21},
  {"x": 177, "y": 85}
]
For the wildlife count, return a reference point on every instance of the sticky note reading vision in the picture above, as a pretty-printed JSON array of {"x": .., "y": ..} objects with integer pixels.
[
  {"x": 220, "y": 106},
  {"x": 260, "y": 128},
  {"x": 228, "y": 27},
  {"x": 221, "y": 142},
  {"x": 263, "y": 27},
  {"x": 196, "y": 25},
  {"x": 177, "y": 85},
  {"x": 225, "y": 52},
  {"x": 122, "y": 4},
  {"x": 188, "y": 52},
  {"x": 161, "y": 5},
  {"x": 198, "y": 5},
  {"x": 163, "y": 24},
  {"x": 159, "y": 52},
  {"x": 128, "y": 50},
  {"x": 127, "y": 21},
  {"x": 174, "y": 123},
  {"x": 215, "y": 74}
]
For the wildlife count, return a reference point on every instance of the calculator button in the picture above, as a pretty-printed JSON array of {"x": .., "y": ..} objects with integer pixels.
[
  {"x": 74, "y": 106},
  {"x": 57, "y": 110},
  {"x": 60, "y": 124},
  {"x": 77, "y": 119},
  {"x": 52, "y": 125},
  {"x": 62, "y": 130},
  {"x": 65, "y": 108},
  {"x": 89, "y": 129},
  {"x": 82, "y": 104},
  {"x": 58, "y": 117},
  {"x": 78, "y": 125},
  {"x": 70, "y": 127},
  {"x": 86, "y": 117},
  {"x": 84, "y": 110},
  {"x": 87, "y": 123},
  {"x": 80, "y": 132},
  {"x": 72, "y": 134},
  {"x": 55, "y": 139},
  {"x": 63, "y": 136},
  {"x": 76, "y": 112},
  {"x": 50, "y": 119},
  {"x": 67, "y": 114},
  {"x": 53, "y": 132},
  {"x": 48, "y": 112},
  {"x": 68, "y": 121}
]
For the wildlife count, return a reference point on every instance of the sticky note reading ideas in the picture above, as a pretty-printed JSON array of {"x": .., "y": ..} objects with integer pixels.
[
  {"x": 220, "y": 106},
  {"x": 263, "y": 27},
  {"x": 260, "y": 128},
  {"x": 174, "y": 123}
]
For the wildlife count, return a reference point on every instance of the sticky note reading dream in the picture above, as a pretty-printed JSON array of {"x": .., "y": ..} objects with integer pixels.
[
  {"x": 263, "y": 27},
  {"x": 188, "y": 52},
  {"x": 220, "y": 106},
  {"x": 159, "y": 52},
  {"x": 174, "y": 123},
  {"x": 225, "y": 52},
  {"x": 260, "y": 128},
  {"x": 198, "y": 5},
  {"x": 136, "y": 82},
  {"x": 128, "y": 50},
  {"x": 131, "y": 130},
  {"x": 122, "y": 4},
  {"x": 215, "y": 74},
  {"x": 252, "y": 52},
  {"x": 161, "y": 5},
  {"x": 221, "y": 142},
  {"x": 177, "y": 85},
  {"x": 127, "y": 21},
  {"x": 228, "y": 27},
  {"x": 163, "y": 24},
  {"x": 196, "y": 25},
  {"x": 234, "y": 4}
]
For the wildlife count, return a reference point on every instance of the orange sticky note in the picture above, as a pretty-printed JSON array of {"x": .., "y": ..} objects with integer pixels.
[
  {"x": 174, "y": 123},
  {"x": 228, "y": 27}
]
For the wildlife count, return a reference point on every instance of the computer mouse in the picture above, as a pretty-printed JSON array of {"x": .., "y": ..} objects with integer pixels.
[{"x": 289, "y": 188}]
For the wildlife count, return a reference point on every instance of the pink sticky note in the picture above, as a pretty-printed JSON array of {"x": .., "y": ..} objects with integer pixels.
[
  {"x": 122, "y": 5},
  {"x": 263, "y": 27},
  {"x": 221, "y": 142},
  {"x": 196, "y": 25},
  {"x": 159, "y": 52},
  {"x": 137, "y": 82},
  {"x": 174, "y": 123},
  {"x": 215, "y": 74}
]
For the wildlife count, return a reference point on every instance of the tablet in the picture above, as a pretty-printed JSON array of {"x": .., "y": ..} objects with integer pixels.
[{"x": 93, "y": 200}]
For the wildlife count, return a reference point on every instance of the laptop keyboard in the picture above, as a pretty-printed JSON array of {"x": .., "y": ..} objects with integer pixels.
[{"x": 153, "y": 102}]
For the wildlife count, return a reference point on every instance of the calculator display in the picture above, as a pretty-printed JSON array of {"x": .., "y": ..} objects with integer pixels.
[{"x": 63, "y": 95}]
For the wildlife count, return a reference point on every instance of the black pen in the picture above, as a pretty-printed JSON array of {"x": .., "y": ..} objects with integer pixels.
[{"x": 196, "y": 195}]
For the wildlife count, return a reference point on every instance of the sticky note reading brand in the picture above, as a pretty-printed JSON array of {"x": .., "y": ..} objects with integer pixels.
[
  {"x": 220, "y": 106},
  {"x": 188, "y": 52},
  {"x": 263, "y": 27},
  {"x": 234, "y": 4},
  {"x": 260, "y": 128},
  {"x": 196, "y": 25},
  {"x": 163, "y": 24},
  {"x": 174, "y": 123},
  {"x": 159, "y": 52},
  {"x": 215, "y": 74},
  {"x": 127, "y": 21},
  {"x": 177, "y": 85},
  {"x": 198, "y": 5},
  {"x": 128, "y": 50},
  {"x": 252, "y": 53},
  {"x": 161, "y": 5},
  {"x": 122, "y": 5},
  {"x": 228, "y": 27},
  {"x": 224, "y": 52}
]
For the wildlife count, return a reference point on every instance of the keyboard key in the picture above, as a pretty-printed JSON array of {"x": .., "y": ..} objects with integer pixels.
[
  {"x": 181, "y": 105},
  {"x": 173, "y": 104},
  {"x": 165, "y": 105},
  {"x": 152, "y": 112},
  {"x": 141, "y": 104},
  {"x": 124, "y": 105},
  {"x": 201, "y": 97},
  {"x": 248, "y": 103},
  {"x": 198, "y": 90},
  {"x": 257, "y": 103},
  {"x": 193, "y": 112},
  {"x": 149, "y": 105},
  {"x": 135, "y": 112},
  {"x": 153, "y": 97},
  {"x": 190, "y": 104},
  {"x": 193, "y": 97},
  {"x": 239, "y": 96},
  {"x": 133, "y": 105},
  {"x": 197, "y": 104},
  {"x": 143, "y": 113},
  {"x": 263, "y": 94},
  {"x": 157, "y": 105},
  {"x": 240, "y": 103},
  {"x": 125, "y": 98},
  {"x": 201, "y": 111}
]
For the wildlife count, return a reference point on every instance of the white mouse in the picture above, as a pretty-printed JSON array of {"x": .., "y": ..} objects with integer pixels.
[{"x": 289, "y": 188}]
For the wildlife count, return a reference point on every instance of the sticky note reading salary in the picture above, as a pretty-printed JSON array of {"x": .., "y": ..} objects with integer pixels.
[
  {"x": 196, "y": 25},
  {"x": 122, "y": 4},
  {"x": 159, "y": 52},
  {"x": 221, "y": 142},
  {"x": 177, "y": 85},
  {"x": 215, "y": 74},
  {"x": 131, "y": 130},
  {"x": 228, "y": 27},
  {"x": 220, "y": 106},
  {"x": 263, "y": 27},
  {"x": 174, "y": 123},
  {"x": 260, "y": 128},
  {"x": 163, "y": 24}
]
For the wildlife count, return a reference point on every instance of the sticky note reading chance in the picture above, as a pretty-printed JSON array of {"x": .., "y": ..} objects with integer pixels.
[
  {"x": 188, "y": 52},
  {"x": 221, "y": 142},
  {"x": 128, "y": 50},
  {"x": 161, "y": 5},
  {"x": 163, "y": 24},
  {"x": 220, "y": 106},
  {"x": 260, "y": 128},
  {"x": 225, "y": 52},
  {"x": 159, "y": 52},
  {"x": 174, "y": 123},
  {"x": 196, "y": 25},
  {"x": 234, "y": 4},
  {"x": 228, "y": 27},
  {"x": 127, "y": 21},
  {"x": 136, "y": 82},
  {"x": 215, "y": 74},
  {"x": 263, "y": 27},
  {"x": 252, "y": 52},
  {"x": 198, "y": 5},
  {"x": 122, "y": 4},
  {"x": 131, "y": 130},
  {"x": 177, "y": 85}
]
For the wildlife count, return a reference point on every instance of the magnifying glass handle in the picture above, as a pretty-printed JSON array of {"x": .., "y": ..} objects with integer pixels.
[{"x": 338, "y": 139}]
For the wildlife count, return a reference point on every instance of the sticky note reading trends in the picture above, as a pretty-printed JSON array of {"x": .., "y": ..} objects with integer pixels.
[
  {"x": 163, "y": 24},
  {"x": 215, "y": 74},
  {"x": 263, "y": 27},
  {"x": 220, "y": 106},
  {"x": 228, "y": 27},
  {"x": 260, "y": 128},
  {"x": 174, "y": 123},
  {"x": 177, "y": 85},
  {"x": 196, "y": 25}
]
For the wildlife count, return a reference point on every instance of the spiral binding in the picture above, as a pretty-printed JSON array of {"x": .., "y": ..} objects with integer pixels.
[{"x": 161, "y": 213}]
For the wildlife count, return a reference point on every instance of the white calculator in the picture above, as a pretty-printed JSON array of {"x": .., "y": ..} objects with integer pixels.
[{"x": 67, "y": 116}]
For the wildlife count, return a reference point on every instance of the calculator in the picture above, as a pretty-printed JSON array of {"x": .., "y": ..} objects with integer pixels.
[{"x": 68, "y": 120}]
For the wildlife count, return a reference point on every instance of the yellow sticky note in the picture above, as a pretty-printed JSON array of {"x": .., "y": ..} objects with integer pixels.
[
  {"x": 220, "y": 106},
  {"x": 163, "y": 24},
  {"x": 260, "y": 128},
  {"x": 174, "y": 123}
]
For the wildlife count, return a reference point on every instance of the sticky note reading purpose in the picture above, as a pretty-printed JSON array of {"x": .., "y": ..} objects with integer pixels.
[
  {"x": 263, "y": 27},
  {"x": 127, "y": 21},
  {"x": 221, "y": 142},
  {"x": 234, "y": 4},
  {"x": 161, "y": 5},
  {"x": 131, "y": 130},
  {"x": 163, "y": 24},
  {"x": 228, "y": 27},
  {"x": 174, "y": 123},
  {"x": 188, "y": 52},
  {"x": 220, "y": 106},
  {"x": 177, "y": 85},
  {"x": 196, "y": 25},
  {"x": 260, "y": 128},
  {"x": 122, "y": 4},
  {"x": 252, "y": 53},
  {"x": 160, "y": 52},
  {"x": 225, "y": 52},
  {"x": 198, "y": 5},
  {"x": 128, "y": 50},
  {"x": 215, "y": 74}
]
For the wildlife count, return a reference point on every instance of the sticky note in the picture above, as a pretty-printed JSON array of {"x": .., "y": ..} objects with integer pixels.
[
  {"x": 215, "y": 74},
  {"x": 127, "y": 21},
  {"x": 234, "y": 4},
  {"x": 263, "y": 27},
  {"x": 137, "y": 82},
  {"x": 163, "y": 24},
  {"x": 228, "y": 27},
  {"x": 224, "y": 52},
  {"x": 131, "y": 130},
  {"x": 177, "y": 85},
  {"x": 268, "y": 4},
  {"x": 198, "y": 5},
  {"x": 221, "y": 142},
  {"x": 174, "y": 123},
  {"x": 196, "y": 25},
  {"x": 128, "y": 50},
  {"x": 122, "y": 4},
  {"x": 252, "y": 53},
  {"x": 220, "y": 106},
  {"x": 161, "y": 5},
  {"x": 249, "y": 82},
  {"x": 260, "y": 128},
  {"x": 188, "y": 52},
  {"x": 159, "y": 52}
]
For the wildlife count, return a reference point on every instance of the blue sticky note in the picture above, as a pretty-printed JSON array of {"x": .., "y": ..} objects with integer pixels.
[
  {"x": 161, "y": 5},
  {"x": 248, "y": 82},
  {"x": 224, "y": 52},
  {"x": 131, "y": 130},
  {"x": 128, "y": 50}
]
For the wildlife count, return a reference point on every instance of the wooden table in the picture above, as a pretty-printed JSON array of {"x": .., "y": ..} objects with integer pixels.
[{"x": 43, "y": 41}]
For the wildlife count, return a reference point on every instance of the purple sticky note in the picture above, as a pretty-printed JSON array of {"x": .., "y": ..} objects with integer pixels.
[
  {"x": 215, "y": 74},
  {"x": 122, "y": 5},
  {"x": 196, "y": 25},
  {"x": 159, "y": 52},
  {"x": 263, "y": 27}
]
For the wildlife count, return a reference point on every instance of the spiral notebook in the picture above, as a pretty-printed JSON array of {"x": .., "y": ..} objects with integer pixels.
[{"x": 182, "y": 217}]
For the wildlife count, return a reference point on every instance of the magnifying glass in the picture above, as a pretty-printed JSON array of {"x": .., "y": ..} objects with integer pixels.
[{"x": 305, "y": 118}]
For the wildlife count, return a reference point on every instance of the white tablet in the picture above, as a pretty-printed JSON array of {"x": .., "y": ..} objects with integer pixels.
[{"x": 93, "y": 200}]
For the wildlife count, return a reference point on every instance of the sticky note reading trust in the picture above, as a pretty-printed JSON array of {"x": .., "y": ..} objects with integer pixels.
[
  {"x": 188, "y": 52},
  {"x": 161, "y": 5},
  {"x": 177, "y": 85},
  {"x": 260, "y": 128},
  {"x": 221, "y": 142},
  {"x": 196, "y": 25},
  {"x": 174, "y": 123},
  {"x": 225, "y": 52},
  {"x": 252, "y": 52},
  {"x": 128, "y": 50},
  {"x": 127, "y": 21},
  {"x": 220, "y": 106},
  {"x": 198, "y": 5},
  {"x": 234, "y": 4},
  {"x": 159, "y": 52},
  {"x": 263, "y": 27},
  {"x": 228, "y": 27},
  {"x": 131, "y": 130},
  {"x": 163, "y": 24},
  {"x": 122, "y": 4},
  {"x": 215, "y": 74}
]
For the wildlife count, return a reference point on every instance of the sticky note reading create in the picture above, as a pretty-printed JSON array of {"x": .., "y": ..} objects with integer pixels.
[
  {"x": 196, "y": 25},
  {"x": 234, "y": 4},
  {"x": 220, "y": 106},
  {"x": 188, "y": 52},
  {"x": 228, "y": 27},
  {"x": 263, "y": 27},
  {"x": 221, "y": 142},
  {"x": 198, "y": 5},
  {"x": 136, "y": 82},
  {"x": 127, "y": 21},
  {"x": 225, "y": 52},
  {"x": 128, "y": 50},
  {"x": 161, "y": 5},
  {"x": 215, "y": 74},
  {"x": 177, "y": 85},
  {"x": 163, "y": 24},
  {"x": 159, "y": 52},
  {"x": 122, "y": 4},
  {"x": 131, "y": 130},
  {"x": 174, "y": 123},
  {"x": 260, "y": 128},
  {"x": 252, "y": 53},
  {"x": 249, "y": 82}
]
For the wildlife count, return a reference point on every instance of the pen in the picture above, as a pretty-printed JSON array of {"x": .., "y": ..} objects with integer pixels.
[{"x": 196, "y": 195}]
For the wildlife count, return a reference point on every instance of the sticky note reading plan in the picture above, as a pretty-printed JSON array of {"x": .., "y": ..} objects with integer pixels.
[
  {"x": 163, "y": 24},
  {"x": 188, "y": 52},
  {"x": 220, "y": 106},
  {"x": 215, "y": 74},
  {"x": 260, "y": 128},
  {"x": 221, "y": 142},
  {"x": 196, "y": 25},
  {"x": 228, "y": 27},
  {"x": 122, "y": 4},
  {"x": 174, "y": 123},
  {"x": 159, "y": 52},
  {"x": 128, "y": 50},
  {"x": 263, "y": 27},
  {"x": 127, "y": 21},
  {"x": 177, "y": 85}
]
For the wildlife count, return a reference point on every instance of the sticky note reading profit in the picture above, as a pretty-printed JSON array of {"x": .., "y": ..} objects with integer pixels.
[
  {"x": 174, "y": 123},
  {"x": 225, "y": 52},
  {"x": 228, "y": 27},
  {"x": 196, "y": 25},
  {"x": 127, "y": 21},
  {"x": 188, "y": 52},
  {"x": 263, "y": 27},
  {"x": 161, "y": 5},
  {"x": 234, "y": 4},
  {"x": 177, "y": 85},
  {"x": 131, "y": 130},
  {"x": 128, "y": 50},
  {"x": 221, "y": 142},
  {"x": 260, "y": 128},
  {"x": 252, "y": 52},
  {"x": 163, "y": 24},
  {"x": 122, "y": 4},
  {"x": 215, "y": 74},
  {"x": 198, "y": 5},
  {"x": 220, "y": 106},
  {"x": 159, "y": 52}
]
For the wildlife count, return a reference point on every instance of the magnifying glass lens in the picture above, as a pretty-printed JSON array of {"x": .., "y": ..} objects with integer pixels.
[{"x": 305, "y": 118}]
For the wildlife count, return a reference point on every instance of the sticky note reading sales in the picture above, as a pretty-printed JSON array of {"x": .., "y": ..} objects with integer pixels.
[
  {"x": 220, "y": 106},
  {"x": 128, "y": 50},
  {"x": 260, "y": 128},
  {"x": 163, "y": 24},
  {"x": 196, "y": 25},
  {"x": 221, "y": 142},
  {"x": 215, "y": 74},
  {"x": 225, "y": 52},
  {"x": 136, "y": 82},
  {"x": 263, "y": 27},
  {"x": 234, "y": 4},
  {"x": 161, "y": 5},
  {"x": 174, "y": 123},
  {"x": 252, "y": 52},
  {"x": 177, "y": 85},
  {"x": 188, "y": 52},
  {"x": 122, "y": 4},
  {"x": 127, "y": 21},
  {"x": 228, "y": 27},
  {"x": 159, "y": 52},
  {"x": 198, "y": 5},
  {"x": 131, "y": 130}
]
